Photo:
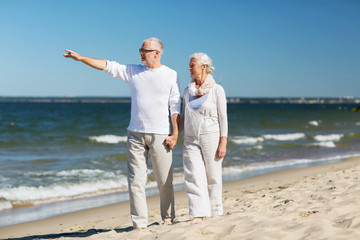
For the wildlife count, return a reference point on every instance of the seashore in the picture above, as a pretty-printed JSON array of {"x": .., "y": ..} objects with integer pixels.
[{"x": 316, "y": 202}]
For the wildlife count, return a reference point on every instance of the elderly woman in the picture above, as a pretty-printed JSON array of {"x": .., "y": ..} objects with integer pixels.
[{"x": 204, "y": 121}]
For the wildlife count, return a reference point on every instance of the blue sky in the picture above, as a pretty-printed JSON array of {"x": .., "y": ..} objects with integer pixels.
[{"x": 278, "y": 48}]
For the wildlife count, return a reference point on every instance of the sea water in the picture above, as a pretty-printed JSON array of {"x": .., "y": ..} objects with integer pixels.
[{"x": 58, "y": 157}]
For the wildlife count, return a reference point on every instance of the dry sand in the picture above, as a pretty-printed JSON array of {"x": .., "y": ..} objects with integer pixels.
[{"x": 318, "y": 202}]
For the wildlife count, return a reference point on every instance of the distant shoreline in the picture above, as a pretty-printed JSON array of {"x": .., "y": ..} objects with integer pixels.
[
  {"x": 235, "y": 100},
  {"x": 66, "y": 99}
]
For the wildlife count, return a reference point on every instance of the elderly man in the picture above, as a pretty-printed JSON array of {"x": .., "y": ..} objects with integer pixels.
[{"x": 154, "y": 90}]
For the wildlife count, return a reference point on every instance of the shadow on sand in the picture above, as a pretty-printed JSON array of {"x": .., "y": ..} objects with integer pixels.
[{"x": 81, "y": 234}]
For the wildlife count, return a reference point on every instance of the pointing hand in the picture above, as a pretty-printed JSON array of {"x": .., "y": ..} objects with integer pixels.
[{"x": 72, "y": 54}]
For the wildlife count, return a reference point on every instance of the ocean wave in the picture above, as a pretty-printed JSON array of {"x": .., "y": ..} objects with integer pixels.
[
  {"x": 314, "y": 123},
  {"x": 112, "y": 139},
  {"x": 263, "y": 165},
  {"x": 74, "y": 173},
  {"x": 268, "y": 165},
  {"x": 247, "y": 140},
  {"x": 328, "y": 144},
  {"x": 31, "y": 195},
  {"x": 43, "y": 194},
  {"x": 258, "y": 147},
  {"x": 253, "y": 148},
  {"x": 284, "y": 137},
  {"x": 327, "y": 138},
  {"x": 84, "y": 172},
  {"x": 4, "y": 205}
]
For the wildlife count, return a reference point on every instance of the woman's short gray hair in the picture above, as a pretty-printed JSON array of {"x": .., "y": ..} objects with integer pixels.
[
  {"x": 156, "y": 44},
  {"x": 204, "y": 59}
]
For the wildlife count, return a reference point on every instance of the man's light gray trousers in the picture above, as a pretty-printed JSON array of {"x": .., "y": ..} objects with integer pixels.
[{"x": 139, "y": 147}]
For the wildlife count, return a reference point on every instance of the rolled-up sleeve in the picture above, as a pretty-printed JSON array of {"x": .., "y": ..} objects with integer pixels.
[
  {"x": 117, "y": 70},
  {"x": 222, "y": 112},
  {"x": 175, "y": 99}
]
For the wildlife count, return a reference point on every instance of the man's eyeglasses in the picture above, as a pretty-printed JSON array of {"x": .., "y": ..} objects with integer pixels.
[{"x": 141, "y": 50}]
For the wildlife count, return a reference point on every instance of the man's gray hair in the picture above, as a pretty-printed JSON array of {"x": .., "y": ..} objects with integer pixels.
[
  {"x": 203, "y": 59},
  {"x": 156, "y": 44}
]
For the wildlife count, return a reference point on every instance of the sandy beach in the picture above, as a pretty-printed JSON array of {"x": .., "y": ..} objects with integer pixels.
[{"x": 317, "y": 202}]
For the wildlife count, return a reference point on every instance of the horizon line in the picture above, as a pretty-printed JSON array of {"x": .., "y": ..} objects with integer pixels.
[{"x": 248, "y": 97}]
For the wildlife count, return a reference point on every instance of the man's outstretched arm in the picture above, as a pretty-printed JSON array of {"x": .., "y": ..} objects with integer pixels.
[{"x": 92, "y": 62}]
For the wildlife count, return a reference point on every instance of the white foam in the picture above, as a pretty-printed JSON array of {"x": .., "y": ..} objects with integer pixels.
[
  {"x": 279, "y": 164},
  {"x": 327, "y": 138},
  {"x": 52, "y": 193},
  {"x": 284, "y": 137},
  {"x": 5, "y": 205},
  {"x": 83, "y": 172},
  {"x": 314, "y": 123},
  {"x": 258, "y": 147},
  {"x": 112, "y": 139},
  {"x": 111, "y": 182},
  {"x": 263, "y": 165},
  {"x": 247, "y": 140},
  {"x": 328, "y": 144},
  {"x": 252, "y": 148},
  {"x": 357, "y": 124},
  {"x": 74, "y": 173}
]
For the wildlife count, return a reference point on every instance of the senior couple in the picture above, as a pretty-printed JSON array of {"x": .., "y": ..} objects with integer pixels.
[{"x": 154, "y": 90}]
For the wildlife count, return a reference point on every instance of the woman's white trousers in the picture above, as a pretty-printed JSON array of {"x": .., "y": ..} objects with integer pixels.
[{"x": 203, "y": 175}]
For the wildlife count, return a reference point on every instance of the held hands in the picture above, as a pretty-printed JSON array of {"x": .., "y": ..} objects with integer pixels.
[
  {"x": 171, "y": 141},
  {"x": 73, "y": 55}
]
